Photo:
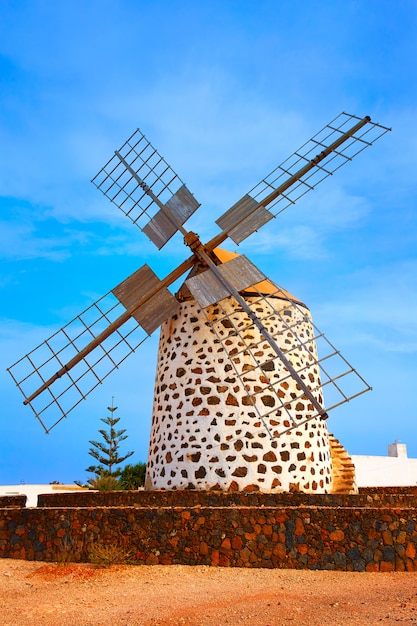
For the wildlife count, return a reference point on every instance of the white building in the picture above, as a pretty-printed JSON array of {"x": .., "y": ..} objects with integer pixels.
[
  {"x": 32, "y": 491},
  {"x": 394, "y": 470}
]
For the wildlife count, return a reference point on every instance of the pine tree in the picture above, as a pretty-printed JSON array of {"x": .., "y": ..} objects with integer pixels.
[{"x": 107, "y": 453}]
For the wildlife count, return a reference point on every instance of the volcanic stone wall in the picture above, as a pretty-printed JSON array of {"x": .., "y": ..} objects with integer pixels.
[
  {"x": 383, "y": 492},
  {"x": 354, "y": 538},
  {"x": 205, "y": 433},
  {"x": 403, "y": 498}
]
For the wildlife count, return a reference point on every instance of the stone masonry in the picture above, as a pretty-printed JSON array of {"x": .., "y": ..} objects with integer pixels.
[{"x": 374, "y": 532}]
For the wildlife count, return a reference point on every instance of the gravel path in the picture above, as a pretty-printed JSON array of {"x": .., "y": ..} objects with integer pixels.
[{"x": 85, "y": 595}]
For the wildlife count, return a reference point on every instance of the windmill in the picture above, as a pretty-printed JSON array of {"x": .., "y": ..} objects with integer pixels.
[{"x": 243, "y": 373}]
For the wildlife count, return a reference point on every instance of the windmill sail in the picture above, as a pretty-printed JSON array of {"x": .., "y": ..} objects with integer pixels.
[
  {"x": 273, "y": 384},
  {"x": 67, "y": 390},
  {"x": 278, "y": 344},
  {"x": 157, "y": 308},
  {"x": 139, "y": 181},
  {"x": 332, "y": 147},
  {"x": 64, "y": 369}
]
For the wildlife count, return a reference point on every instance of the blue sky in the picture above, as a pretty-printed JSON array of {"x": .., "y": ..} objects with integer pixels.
[{"x": 225, "y": 90}]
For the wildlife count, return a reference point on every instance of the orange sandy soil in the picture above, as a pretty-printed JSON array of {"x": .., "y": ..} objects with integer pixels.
[{"x": 86, "y": 595}]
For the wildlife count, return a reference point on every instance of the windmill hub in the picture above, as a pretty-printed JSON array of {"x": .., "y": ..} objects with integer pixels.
[{"x": 192, "y": 240}]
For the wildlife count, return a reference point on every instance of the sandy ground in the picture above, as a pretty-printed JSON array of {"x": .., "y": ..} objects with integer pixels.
[{"x": 86, "y": 595}]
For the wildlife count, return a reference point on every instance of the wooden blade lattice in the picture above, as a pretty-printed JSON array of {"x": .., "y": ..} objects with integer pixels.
[
  {"x": 148, "y": 191},
  {"x": 271, "y": 395},
  {"x": 317, "y": 159},
  {"x": 65, "y": 393}
]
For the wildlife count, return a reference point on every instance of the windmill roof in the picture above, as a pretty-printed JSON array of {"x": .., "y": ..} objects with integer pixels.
[{"x": 265, "y": 287}]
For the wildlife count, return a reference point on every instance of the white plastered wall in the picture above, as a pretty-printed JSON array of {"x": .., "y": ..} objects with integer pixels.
[{"x": 205, "y": 436}]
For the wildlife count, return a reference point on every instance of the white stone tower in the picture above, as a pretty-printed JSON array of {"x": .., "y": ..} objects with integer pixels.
[{"x": 205, "y": 434}]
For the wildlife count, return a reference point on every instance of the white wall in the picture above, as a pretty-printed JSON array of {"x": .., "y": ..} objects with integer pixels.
[
  {"x": 385, "y": 471},
  {"x": 32, "y": 491}
]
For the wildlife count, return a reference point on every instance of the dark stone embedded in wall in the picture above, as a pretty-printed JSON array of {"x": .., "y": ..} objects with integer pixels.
[
  {"x": 354, "y": 533},
  {"x": 12, "y": 501}
]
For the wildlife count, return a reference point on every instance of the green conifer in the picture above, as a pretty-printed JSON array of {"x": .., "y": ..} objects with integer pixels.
[{"x": 107, "y": 453}]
